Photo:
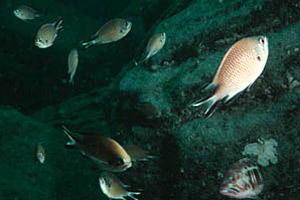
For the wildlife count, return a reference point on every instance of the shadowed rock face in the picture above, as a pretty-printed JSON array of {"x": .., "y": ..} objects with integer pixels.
[{"x": 194, "y": 152}]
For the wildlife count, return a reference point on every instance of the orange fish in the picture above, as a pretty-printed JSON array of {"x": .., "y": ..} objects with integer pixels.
[
  {"x": 241, "y": 66},
  {"x": 108, "y": 153},
  {"x": 112, "y": 31}
]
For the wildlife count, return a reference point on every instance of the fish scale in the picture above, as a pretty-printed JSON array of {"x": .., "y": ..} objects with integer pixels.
[{"x": 231, "y": 78}]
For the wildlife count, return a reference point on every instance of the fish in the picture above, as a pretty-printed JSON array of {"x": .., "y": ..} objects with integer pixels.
[
  {"x": 111, "y": 31},
  {"x": 148, "y": 110},
  {"x": 243, "y": 180},
  {"x": 156, "y": 43},
  {"x": 240, "y": 67},
  {"x": 138, "y": 154},
  {"x": 47, "y": 34},
  {"x": 106, "y": 152},
  {"x": 26, "y": 13},
  {"x": 113, "y": 188},
  {"x": 40, "y": 153},
  {"x": 73, "y": 60}
]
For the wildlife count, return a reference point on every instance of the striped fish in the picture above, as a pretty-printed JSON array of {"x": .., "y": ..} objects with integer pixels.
[{"x": 243, "y": 180}]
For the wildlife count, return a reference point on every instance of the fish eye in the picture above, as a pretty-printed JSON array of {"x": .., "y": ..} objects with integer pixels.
[
  {"x": 258, "y": 58},
  {"x": 261, "y": 40},
  {"x": 121, "y": 31},
  {"x": 107, "y": 182},
  {"x": 119, "y": 161}
]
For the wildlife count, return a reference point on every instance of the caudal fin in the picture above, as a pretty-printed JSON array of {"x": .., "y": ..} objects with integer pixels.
[
  {"x": 89, "y": 43},
  {"x": 130, "y": 194},
  {"x": 58, "y": 23},
  {"x": 73, "y": 140},
  {"x": 212, "y": 102}
]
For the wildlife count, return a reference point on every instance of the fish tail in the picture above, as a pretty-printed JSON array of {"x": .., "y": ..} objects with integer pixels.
[
  {"x": 58, "y": 23},
  {"x": 130, "y": 194},
  {"x": 73, "y": 140},
  {"x": 71, "y": 80},
  {"x": 212, "y": 103},
  {"x": 146, "y": 58},
  {"x": 153, "y": 157},
  {"x": 88, "y": 43}
]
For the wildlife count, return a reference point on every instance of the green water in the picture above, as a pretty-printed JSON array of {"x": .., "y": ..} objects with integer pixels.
[{"x": 111, "y": 84}]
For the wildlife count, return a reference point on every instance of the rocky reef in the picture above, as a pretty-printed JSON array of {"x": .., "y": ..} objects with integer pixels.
[{"x": 109, "y": 97}]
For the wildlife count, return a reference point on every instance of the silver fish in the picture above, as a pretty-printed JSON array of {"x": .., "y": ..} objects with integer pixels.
[
  {"x": 113, "y": 188},
  {"x": 47, "y": 34},
  {"x": 111, "y": 31},
  {"x": 243, "y": 180},
  {"x": 73, "y": 60},
  {"x": 155, "y": 44},
  {"x": 40, "y": 153},
  {"x": 241, "y": 66},
  {"x": 26, "y": 13}
]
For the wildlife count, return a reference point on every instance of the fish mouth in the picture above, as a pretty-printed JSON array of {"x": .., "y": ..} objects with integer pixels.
[
  {"x": 127, "y": 165},
  {"x": 129, "y": 25},
  {"x": 41, "y": 45}
]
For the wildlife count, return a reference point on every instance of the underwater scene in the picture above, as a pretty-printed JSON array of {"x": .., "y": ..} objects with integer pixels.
[{"x": 150, "y": 99}]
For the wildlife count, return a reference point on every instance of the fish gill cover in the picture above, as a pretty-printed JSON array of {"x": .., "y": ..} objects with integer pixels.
[{"x": 147, "y": 104}]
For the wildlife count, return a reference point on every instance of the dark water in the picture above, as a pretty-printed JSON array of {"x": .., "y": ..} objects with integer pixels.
[{"x": 147, "y": 104}]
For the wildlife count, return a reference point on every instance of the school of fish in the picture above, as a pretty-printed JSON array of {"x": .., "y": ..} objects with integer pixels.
[{"x": 240, "y": 67}]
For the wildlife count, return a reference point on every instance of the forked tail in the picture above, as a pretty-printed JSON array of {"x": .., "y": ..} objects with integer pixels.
[
  {"x": 212, "y": 102},
  {"x": 130, "y": 194},
  {"x": 58, "y": 23},
  {"x": 88, "y": 43},
  {"x": 73, "y": 140}
]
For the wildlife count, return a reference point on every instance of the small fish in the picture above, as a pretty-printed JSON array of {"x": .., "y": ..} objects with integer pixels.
[
  {"x": 241, "y": 66},
  {"x": 73, "y": 59},
  {"x": 112, "y": 31},
  {"x": 113, "y": 188},
  {"x": 26, "y": 13},
  {"x": 155, "y": 44},
  {"x": 108, "y": 153},
  {"x": 47, "y": 34},
  {"x": 243, "y": 180},
  {"x": 148, "y": 110},
  {"x": 136, "y": 153},
  {"x": 40, "y": 153}
]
